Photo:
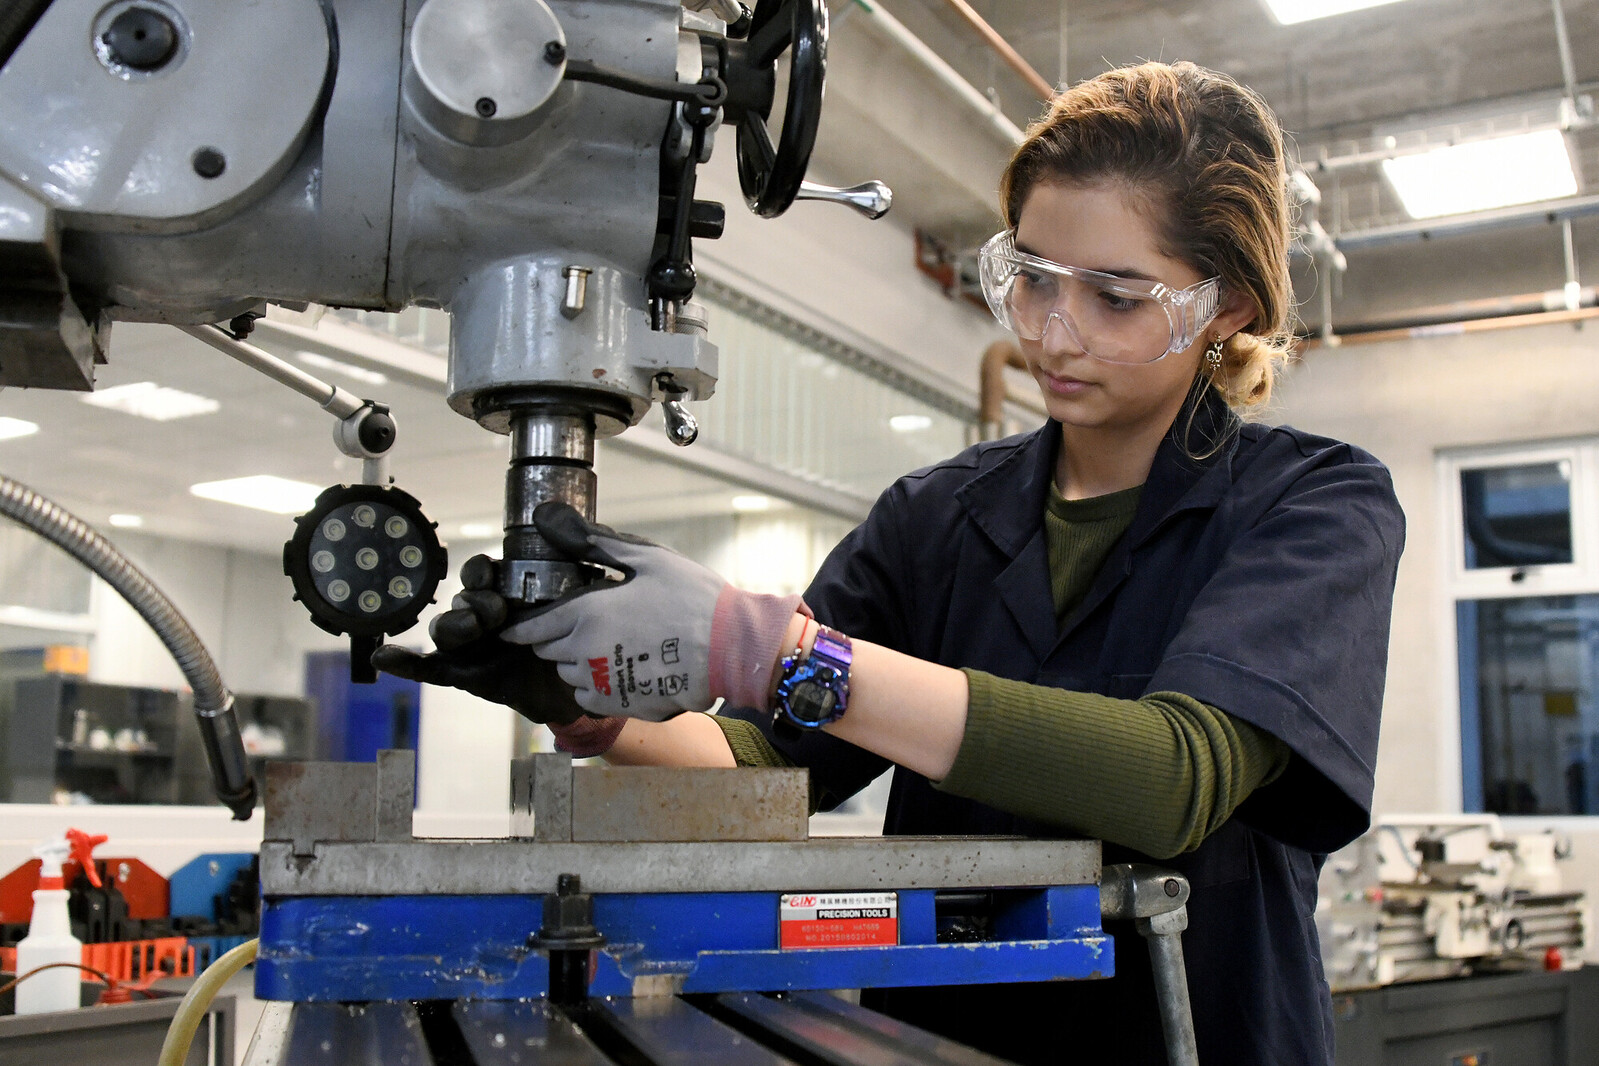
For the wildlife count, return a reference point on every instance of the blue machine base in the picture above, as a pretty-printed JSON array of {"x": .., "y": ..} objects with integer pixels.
[{"x": 350, "y": 948}]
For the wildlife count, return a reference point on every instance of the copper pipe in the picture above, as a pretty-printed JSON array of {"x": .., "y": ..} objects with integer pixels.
[
  {"x": 1012, "y": 58},
  {"x": 1449, "y": 329},
  {"x": 993, "y": 390}
]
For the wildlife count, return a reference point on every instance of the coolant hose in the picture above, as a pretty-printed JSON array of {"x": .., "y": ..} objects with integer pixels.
[
  {"x": 213, "y": 703},
  {"x": 180, "y": 1033}
]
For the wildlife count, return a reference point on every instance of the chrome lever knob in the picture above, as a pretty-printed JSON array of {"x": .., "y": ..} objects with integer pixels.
[
  {"x": 871, "y": 198},
  {"x": 681, "y": 427}
]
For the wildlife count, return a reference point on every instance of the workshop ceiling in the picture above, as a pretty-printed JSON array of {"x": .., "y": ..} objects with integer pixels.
[{"x": 1419, "y": 71}]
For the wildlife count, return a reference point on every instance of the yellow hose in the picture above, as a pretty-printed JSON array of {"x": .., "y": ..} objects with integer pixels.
[{"x": 180, "y": 1034}]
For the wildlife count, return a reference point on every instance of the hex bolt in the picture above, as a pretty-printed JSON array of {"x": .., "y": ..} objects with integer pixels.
[
  {"x": 209, "y": 163},
  {"x": 486, "y": 107},
  {"x": 141, "y": 38},
  {"x": 555, "y": 53}
]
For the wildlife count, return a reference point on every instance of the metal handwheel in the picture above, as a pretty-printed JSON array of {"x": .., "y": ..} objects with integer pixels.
[{"x": 771, "y": 177}]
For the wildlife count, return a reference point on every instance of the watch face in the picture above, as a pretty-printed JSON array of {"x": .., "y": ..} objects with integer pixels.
[{"x": 811, "y": 702}]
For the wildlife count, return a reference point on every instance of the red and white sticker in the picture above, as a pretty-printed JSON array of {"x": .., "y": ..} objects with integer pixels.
[{"x": 838, "y": 920}]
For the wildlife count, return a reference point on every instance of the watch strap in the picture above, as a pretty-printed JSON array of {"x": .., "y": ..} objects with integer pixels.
[{"x": 831, "y": 650}]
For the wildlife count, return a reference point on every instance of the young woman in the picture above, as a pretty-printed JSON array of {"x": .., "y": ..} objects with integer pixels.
[{"x": 1147, "y": 622}]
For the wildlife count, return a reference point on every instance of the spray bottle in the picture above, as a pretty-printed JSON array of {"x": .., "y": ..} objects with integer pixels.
[{"x": 50, "y": 936}]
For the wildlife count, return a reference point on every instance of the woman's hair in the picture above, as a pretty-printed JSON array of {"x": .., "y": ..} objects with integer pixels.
[{"x": 1206, "y": 155}]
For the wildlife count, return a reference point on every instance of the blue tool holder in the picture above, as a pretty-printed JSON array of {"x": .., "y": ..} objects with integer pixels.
[{"x": 331, "y": 948}]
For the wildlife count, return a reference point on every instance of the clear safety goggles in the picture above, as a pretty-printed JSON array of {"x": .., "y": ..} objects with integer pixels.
[{"x": 1112, "y": 318}]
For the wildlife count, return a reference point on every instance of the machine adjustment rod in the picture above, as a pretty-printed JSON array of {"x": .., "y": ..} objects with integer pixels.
[
  {"x": 1157, "y": 902},
  {"x": 365, "y": 430},
  {"x": 871, "y": 198}
]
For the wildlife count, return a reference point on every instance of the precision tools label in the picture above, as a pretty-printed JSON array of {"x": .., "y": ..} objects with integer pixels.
[{"x": 838, "y": 920}]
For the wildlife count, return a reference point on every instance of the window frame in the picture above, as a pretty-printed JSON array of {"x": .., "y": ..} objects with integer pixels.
[
  {"x": 1577, "y": 578},
  {"x": 1579, "y": 575}
]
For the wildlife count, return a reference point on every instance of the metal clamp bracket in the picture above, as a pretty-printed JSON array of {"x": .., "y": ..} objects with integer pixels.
[{"x": 1156, "y": 901}]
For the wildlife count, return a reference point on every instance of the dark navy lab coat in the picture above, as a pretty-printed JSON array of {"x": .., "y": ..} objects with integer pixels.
[{"x": 1258, "y": 580}]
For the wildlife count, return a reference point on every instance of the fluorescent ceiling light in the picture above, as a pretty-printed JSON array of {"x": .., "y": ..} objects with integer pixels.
[
  {"x": 909, "y": 423},
  {"x": 1288, "y": 12},
  {"x": 16, "y": 427},
  {"x": 149, "y": 400},
  {"x": 479, "y": 530},
  {"x": 1520, "y": 169},
  {"x": 126, "y": 521},
  {"x": 355, "y": 373},
  {"x": 752, "y": 503},
  {"x": 262, "y": 492}
]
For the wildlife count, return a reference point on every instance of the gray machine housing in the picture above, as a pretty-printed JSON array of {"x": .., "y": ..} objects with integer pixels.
[{"x": 349, "y": 184}]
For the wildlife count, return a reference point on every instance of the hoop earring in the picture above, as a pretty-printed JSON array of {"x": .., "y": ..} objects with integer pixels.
[{"x": 1213, "y": 356}]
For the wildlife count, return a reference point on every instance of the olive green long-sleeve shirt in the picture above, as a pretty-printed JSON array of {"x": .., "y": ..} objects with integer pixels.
[{"x": 1158, "y": 774}]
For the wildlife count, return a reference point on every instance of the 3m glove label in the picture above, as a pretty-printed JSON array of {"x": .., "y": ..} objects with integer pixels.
[
  {"x": 838, "y": 920},
  {"x": 637, "y": 675}
]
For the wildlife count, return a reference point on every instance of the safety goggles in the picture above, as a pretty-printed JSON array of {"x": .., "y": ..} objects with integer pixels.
[{"x": 1112, "y": 318}]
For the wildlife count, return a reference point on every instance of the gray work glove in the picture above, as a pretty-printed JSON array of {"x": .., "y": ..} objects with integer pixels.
[
  {"x": 670, "y": 636},
  {"x": 634, "y": 648},
  {"x": 471, "y": 656}
]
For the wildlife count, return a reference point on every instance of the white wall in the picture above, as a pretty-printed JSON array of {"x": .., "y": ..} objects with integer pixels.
[
  {"x": 1404, "y": 401},
  {"x": 238, "y": 603}
]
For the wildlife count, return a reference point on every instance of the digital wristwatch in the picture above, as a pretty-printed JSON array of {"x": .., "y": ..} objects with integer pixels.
[{"x": 814, "y": 689}]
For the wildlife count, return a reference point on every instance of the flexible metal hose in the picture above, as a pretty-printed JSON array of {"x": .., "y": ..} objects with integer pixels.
[{"x": 213, "y": 703}]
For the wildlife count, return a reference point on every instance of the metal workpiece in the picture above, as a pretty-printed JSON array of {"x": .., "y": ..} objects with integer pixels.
[
  {"x": 826, "y": 864},
  {"x": 1157, "y": 902},
  {"x": 467, "y": 71},
  {"x": 553, "y": 801},
  {"x": 626, "y": 803},
  {"x": 123, "y": 163},
  {"x": 311, "y": 802}
]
